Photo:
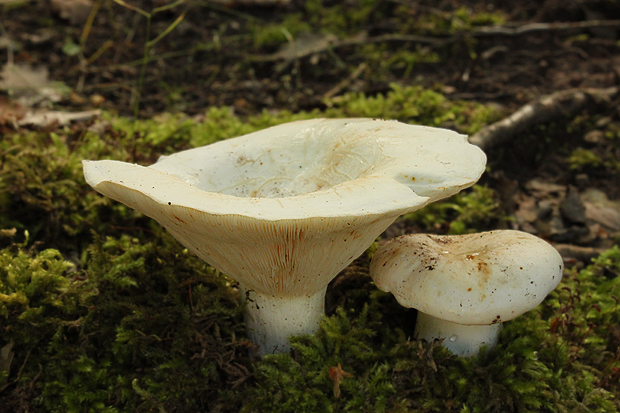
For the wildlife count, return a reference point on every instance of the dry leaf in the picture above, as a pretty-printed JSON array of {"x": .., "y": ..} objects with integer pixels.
[
  {"x": 7, "y": 43},
  {"x": 8, "y": 233},
  {"x": 241, "y": 3},
  {"x": 306, "y": 44},
  {"x": 10, "y": 113},
  {"x": 30, "y": 86},
  {"x": 76, "y": 11},
  {"x": 38, "y": 37}
]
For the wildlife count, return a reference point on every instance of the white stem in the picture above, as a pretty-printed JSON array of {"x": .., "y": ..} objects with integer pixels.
[
  {"x": 462, "y": 340},
  {"x": 271, "y": 320}
]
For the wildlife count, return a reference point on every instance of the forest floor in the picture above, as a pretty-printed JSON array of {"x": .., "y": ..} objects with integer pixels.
[
  {"x": 70, "y": 66},
  {"x": 255, "y": 56}
]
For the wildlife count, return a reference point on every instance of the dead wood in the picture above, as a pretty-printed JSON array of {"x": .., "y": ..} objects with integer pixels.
[
  {"x": 346, "y": 82},
  {"x": 585, "y": 254},
  {"x": 299, "y": 49},
  {"x": 560, "y": 104},
  {"x": 542, "y": 27},
  {"x": 294, "y": 51},
  {"x": 245, "y": 3},
  {"x": 44, "y": 118}
]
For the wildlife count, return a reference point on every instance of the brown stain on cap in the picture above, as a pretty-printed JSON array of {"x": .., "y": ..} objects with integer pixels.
[{"x": 484, "y": 272}]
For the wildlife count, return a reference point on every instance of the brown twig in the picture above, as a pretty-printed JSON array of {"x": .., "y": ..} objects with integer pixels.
[
  {"x": 345, "y": 82},
  {"x": 244, "y": 3},
  {"x": 564, "y": 103},
  {"x": 42, "y": 118},
  {"x": 362, "y": 38},
  {"x": 584, "y": 254},
  {"x": 521, "y": 29},
  {"x": 332, "y": 43}
]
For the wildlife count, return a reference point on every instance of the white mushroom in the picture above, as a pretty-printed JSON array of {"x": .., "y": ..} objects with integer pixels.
[
  {"x": 283, "y": 210},
  {"x": 465, "y": 286}
]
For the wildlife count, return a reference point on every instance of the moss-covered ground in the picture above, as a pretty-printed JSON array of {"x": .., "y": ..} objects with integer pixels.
[{"x": 102, "y": 311}]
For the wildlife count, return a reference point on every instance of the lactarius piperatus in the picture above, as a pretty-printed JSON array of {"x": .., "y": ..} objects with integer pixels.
[
  {"x": 465, "y": 286},
  {"x": 283, "y": 210}
]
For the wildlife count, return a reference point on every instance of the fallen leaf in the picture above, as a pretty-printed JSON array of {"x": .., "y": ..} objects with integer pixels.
[
  {"x": 8, "y": 43},
  {"x": 541, "y": 188},
  {"x": 30, "y": 86},
  {"x": 304, "y": 45},
  {"x": 77, "y": 99},
  {"x": 10, "y": 112},
  {"x": 8, "y": 232},
  {"x": 39, "y": 37},
  {"x": 96, "y": 100},
  {"x": 242, "y": 3},
  {"x": 76, "y": 11}
]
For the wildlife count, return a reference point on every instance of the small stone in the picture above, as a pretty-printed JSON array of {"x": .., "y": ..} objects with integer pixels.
[
  {"x": 571, "y": 235},
  {"x": 545, "y": 208},
  {"x": 582, "y": 181},
  {"x": 572, "y": 207}
]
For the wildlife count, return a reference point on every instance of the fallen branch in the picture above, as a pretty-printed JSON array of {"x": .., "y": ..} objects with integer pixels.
[
  {"x": 346, "y": 82},
  {"x": 543, "y": 27},
  {"x": 299, "y": 50},
  {"x": 560, "y": 104},
  {"x": 245, "y": 3},
  {"x": 44, "y": 118},
  {"x": 294, "y": 51},
  {"x": 585, "y": 254}
]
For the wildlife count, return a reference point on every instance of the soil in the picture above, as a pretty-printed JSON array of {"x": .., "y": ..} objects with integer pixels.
[{"x": 211, "y": 57}]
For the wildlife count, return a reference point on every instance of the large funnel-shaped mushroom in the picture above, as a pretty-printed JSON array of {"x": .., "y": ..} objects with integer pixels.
[{"x": 283, "y": 210}]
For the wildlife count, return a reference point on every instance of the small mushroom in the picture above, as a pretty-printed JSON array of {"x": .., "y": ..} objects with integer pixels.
[
  {"x": 283, "y": 210},
  {"x": 465, "y": 286}
]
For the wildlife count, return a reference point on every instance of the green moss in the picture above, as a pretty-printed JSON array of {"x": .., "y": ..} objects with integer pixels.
[
  {"x": 415, "y": 105},
  {"x": 383, "y": 62},
  {"x": 136, "y": 320},
  {"x": 42, "y": 188},
  {"x": 128, "y": 321},
  {"x": 148, "y": 327},
  {"x": 341, "y": 19},
  {"x": 581, "y": 158},
  {"x": 534, "y": 368},
  {"x": 277, "y": 34},
  {"x": 459, "y": 20},
  {"x": 463, "y": 213}
]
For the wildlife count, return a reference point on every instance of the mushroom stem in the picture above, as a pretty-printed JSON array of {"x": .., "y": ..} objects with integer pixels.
[
  {"x": 460, "y": 339},
  {"x": 272, "y": 319}
]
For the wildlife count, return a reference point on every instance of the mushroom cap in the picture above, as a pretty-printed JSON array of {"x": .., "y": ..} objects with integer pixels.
[
  {"x": 474, "y": 279},
  {"x": 286, "y": 208}
]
